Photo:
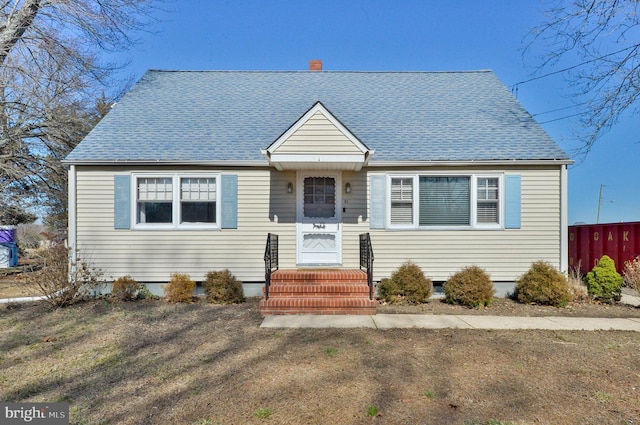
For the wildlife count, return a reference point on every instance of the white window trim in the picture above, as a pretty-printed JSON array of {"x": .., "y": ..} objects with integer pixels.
[
  {"x": 474, "y": 202},
  {"x": 474, "y": 225},
  {"x": 175, "y": 213},
  {"x": 414, "y": 178}
]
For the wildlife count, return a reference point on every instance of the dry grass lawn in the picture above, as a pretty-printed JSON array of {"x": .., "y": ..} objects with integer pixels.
[
  {"x": 148, "y": 362},
  {"x": 13, "y": 283}
]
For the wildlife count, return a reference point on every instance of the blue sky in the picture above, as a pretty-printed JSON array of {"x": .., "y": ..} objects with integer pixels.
[{"x": 399, "y": 35}]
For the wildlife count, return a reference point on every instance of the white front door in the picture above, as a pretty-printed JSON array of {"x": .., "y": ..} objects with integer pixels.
[{"x": 319, "y": 216}]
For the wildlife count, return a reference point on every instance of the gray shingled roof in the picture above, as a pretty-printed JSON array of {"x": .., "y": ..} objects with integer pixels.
[{"x": 233, "y": 115}]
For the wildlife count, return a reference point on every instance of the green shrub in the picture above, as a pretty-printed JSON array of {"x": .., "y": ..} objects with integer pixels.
[
  {"x": 125, "y": 288},
  {"x": 543, "y": 284},
  {"x": 408, "y": 284},
  {"x": 471, "y": 287},
  {"x": 179, "y": 289},
  {"x": 603, "y": 282},
  {"x": 222, "y": 287}
]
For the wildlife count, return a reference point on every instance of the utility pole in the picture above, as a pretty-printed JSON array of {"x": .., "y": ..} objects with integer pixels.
[{"x": 599, "y": 203}]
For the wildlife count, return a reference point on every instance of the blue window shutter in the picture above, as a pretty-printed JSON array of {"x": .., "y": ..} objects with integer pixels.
[
  {"x": 512, "y": 206},
  {"x": 122, "y": 202},
  {"x": 377, "y": 202},
  {"x": 229, "y": 188}
]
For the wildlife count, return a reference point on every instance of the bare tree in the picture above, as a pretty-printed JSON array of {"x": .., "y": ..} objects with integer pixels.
[
  {"x": 596, "y": 43},
  {"x": 50, "y": 75}
]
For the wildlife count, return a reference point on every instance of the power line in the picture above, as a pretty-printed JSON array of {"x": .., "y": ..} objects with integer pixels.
[
  {"x": 561, "y": 118},
  {"x": 514, "y": 86},
  {"x": 559, "y": 109}
]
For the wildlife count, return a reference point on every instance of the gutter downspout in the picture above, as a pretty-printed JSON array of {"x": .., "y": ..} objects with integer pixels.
[
  {"x": 71, "y": 218},
  {"x": 564, "y": 214}
]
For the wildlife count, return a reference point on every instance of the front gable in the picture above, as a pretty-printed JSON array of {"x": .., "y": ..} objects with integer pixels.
[{"x": 318, "y": 140}]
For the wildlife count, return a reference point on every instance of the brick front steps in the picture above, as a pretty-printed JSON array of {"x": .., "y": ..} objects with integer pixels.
[{"x": 307, "y": 291}]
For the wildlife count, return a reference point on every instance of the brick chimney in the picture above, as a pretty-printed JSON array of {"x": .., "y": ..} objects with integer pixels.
[{"x": 315, "y": 65}]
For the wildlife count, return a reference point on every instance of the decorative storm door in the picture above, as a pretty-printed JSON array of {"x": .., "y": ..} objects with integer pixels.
[{"x": 318, "y": 224}]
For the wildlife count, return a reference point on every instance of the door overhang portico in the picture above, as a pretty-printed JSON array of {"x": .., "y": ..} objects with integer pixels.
[
  {"x": 319, "y": 148},
  {"x": 318, "y": 141},
  {"x": 318, "y": 162}
]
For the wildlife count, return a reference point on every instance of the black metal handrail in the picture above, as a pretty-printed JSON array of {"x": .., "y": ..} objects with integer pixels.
[
  {"x": 270, "y": 261},
  {"x": 366, "y": 260}
]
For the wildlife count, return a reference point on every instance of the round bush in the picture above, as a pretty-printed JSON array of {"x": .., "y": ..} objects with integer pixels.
[
  {"x": 408, "y": 284},
  {"x": 603, "y": 282},
  {"x": 471, "y": 287},
  {"x": 388, "y": 291},
  {"x": 222, "y": 287},
  {"x": 125, "y": 288},
  {"x": 543, "y": 284},
  {"x": 179, "y": 289}
]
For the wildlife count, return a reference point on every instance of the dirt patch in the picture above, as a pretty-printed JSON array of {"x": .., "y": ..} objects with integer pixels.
[
  {"x": 149, "y": 362},
  {"x": 509, "y": 307},
  {"x": 14, "y": 284}
]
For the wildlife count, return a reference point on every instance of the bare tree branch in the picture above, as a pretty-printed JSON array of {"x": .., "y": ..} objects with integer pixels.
[
  {"x": 52, "y": 83},
  {"x": 16, "y": 25},
  {"x": 597, "y": 45}
]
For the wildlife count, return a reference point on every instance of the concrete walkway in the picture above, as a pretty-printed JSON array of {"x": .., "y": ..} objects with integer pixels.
[
  {"x": 431, "y": 321},
  {"x": 434, "y": 321},
  {"x": 20, "y": 300}
]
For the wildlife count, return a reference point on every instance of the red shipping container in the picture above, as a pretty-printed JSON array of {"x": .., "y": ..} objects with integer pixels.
[{"x": 589, "y": 242}]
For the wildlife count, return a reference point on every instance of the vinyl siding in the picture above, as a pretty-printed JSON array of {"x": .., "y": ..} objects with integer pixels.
[
  {"x": 354, "y": 217},
  {"x": 505, "y": 253},
  {"x": 265, "y": 206},
  {"x": 152, "y": 255},
  {"x": 318, "y": 136}
]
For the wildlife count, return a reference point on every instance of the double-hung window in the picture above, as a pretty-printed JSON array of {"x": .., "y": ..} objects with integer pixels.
[
  {"x": 155, "y": 200},
  {"x": 177, "y": 201},
  {"x": 488, "y": 200},
  {"x": 402, "y": 200},
  {"x": 198, "y": 197},
  {"x": 445, "y": 201}
]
